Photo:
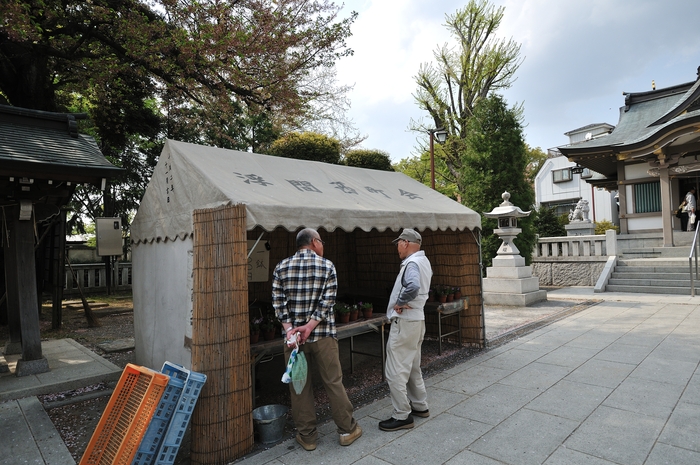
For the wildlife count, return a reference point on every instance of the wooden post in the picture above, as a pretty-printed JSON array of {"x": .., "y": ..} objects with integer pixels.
[
  {"x": 59, "y": 271},
  {"x": 12, "y": 284},
  {"x": 22, "y": 251}
]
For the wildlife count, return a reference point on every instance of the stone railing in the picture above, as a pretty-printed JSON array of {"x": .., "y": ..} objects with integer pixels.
[
  {"x": 93, "y": 278},
  {"x": 565, "y": 248},
  {"x": 573, "y": 260}
]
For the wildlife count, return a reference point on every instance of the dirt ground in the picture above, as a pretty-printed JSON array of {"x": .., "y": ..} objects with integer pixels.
[{"x": 76, "y": 413}]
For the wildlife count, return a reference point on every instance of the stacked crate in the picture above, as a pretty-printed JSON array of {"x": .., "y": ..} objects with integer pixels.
[
  {"x": 146, "y": 417},
  {"x": 124, "y": 422},
  {"x": 161, "y": 419},
  {"x": 183, "y": 411}
]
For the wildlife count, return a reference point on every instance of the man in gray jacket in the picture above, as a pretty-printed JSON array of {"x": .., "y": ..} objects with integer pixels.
[{"x": 405, "y": 310}]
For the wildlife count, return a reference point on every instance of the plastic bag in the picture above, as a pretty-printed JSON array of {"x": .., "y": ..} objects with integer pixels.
[
  {"x": 692, "y": 218},
  {"x": 297, "y": 369},
  {"x": 299, "y": 373}
]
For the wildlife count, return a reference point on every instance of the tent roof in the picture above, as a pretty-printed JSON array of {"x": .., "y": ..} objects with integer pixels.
[{"x": 288, "y": 193}]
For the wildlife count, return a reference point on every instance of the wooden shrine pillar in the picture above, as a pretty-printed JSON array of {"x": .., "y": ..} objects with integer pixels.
[
  {"x": 22, "y": 294},
  {"x": 14, "y": 345}
]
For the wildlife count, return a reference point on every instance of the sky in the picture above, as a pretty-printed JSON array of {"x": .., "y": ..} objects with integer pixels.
[{"x": 579, "y": 56}]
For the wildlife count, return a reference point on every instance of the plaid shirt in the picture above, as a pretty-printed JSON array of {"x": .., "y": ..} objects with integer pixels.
[{"x": 304, "y": 287}]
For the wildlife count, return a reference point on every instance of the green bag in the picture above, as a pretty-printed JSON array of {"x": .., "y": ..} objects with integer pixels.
[{"x": 299, "y": 373}]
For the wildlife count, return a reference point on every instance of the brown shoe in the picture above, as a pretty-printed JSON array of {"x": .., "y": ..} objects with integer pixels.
[
  {"x": 348, "y": 438},
  {"x": 306, "y": 445}
]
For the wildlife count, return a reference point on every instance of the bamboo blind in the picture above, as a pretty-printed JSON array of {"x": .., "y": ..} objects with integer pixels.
[
  {"x": 454, "y": 256},
  {"x": 367, "y": 264},
  {"x": 222, "y": 422}
]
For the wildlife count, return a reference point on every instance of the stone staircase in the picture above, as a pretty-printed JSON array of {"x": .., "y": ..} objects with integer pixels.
[{"x": 653, "y": 270}]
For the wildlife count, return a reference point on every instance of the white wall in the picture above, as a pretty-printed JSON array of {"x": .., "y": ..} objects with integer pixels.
[
  {"x": 162, "y": 291},
  {"x": 601, "y": 202},
  {"x": 637, "y": 171},
  {"x": 652, "y": 223}
]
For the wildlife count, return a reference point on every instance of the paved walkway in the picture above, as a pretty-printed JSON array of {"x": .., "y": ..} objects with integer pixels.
[
  {"x": 613, "y": 382},
  {"x": 27, "y": 435},
  {"x": 616, "y": 383}
]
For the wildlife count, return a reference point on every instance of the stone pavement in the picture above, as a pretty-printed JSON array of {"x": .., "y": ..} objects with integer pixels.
[
  {"x": 614, "y": 383},
  {"x": 27, "y": 435},
  {"x": 584, "y": 378}
]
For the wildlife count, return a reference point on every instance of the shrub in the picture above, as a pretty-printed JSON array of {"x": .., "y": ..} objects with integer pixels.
[
  {"x": 547, "y": 223},
  {"x": 372, "y": 159},
  {"x": 307, "y": 146},
  {"x": 602, "y": 226}
]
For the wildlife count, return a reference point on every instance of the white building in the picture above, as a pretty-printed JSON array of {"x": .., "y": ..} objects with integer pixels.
[{"x": 559, "y": 185}]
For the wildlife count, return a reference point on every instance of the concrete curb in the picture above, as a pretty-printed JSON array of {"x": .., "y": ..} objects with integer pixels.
[{"x": 527, "y": 328}]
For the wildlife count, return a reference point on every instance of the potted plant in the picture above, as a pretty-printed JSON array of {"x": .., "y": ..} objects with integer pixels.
[
  {"x": 431, "y": 294},
  {"x": 354, "y": 312},
  {"x": 441, "y": 293},
  {"x": 458, "y": 292},
  {"x": 268, "y": 327},
  {"x": 343, "y": 312},
  {"x": 450, "y": 293},
  {"x": 367, "y": 309},
  {"x": 255, "y": 330}
]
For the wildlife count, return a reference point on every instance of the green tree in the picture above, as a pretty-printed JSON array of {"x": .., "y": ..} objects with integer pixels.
[
  {"x": 494, "y": 161},
  {"x": 307, "y": 146},
  {"x": 230, "y": 74},
  {"x": 463, "y": 75},
  {"x": 536, "y": 158},
  {"x": 211, "y": 55},
  {"x": 547, "y": 223},
  {"x": 372, "y": 159},
  {"x": 418, "y": 168}
]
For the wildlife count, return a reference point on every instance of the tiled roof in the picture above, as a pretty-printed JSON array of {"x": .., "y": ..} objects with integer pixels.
[
  {"x": 40, "y": 144},
  {"x": 646, "y": 118}
]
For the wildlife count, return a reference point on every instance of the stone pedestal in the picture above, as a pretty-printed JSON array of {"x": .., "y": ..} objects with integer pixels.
[
  {"x": 580, "y": 228},
  {"x": 510, "y": 282},
  {"x": 31, "y": 367}
]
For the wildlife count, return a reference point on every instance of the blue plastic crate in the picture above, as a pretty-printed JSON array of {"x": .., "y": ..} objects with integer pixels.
[
  {"x": 181, "y": 416},
  {"x": 146, "y": 453}
]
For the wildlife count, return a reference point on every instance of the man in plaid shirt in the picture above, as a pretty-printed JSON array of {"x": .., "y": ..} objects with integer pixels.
[{"x": 304, "y": 287}]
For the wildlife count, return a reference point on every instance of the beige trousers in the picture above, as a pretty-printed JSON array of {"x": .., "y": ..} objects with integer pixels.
[{"x": 403, "y": 373}]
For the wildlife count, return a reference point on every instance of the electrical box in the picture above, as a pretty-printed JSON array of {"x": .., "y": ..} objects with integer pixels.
[{"x": 109, "y": 236}]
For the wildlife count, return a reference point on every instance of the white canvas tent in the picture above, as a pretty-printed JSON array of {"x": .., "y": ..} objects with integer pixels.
[{"x": 277, "y": 192}]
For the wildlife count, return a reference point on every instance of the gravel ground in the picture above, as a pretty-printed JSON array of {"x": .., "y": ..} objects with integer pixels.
[{"x": 76, "y": 413}]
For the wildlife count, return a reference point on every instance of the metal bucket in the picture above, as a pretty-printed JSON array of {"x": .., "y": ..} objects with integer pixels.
[{"x": 269, "y": 421}]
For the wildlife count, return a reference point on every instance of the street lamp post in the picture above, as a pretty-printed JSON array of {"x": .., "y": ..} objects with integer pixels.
[{"x": 441, "y": 136}]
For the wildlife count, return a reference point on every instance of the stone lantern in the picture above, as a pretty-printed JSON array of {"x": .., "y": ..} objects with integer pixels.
[
  {"x": 507, "y": 216},
  {"x": 509, "y": 281}
]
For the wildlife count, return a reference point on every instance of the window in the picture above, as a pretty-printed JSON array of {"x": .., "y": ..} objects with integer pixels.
[
  {"x": 561, "y": 175},
  {"x": 561, "y": 208},
  {"x": 647, "y": 197}
]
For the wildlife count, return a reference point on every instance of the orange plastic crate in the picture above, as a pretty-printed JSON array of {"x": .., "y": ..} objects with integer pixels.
[{"x": 126, "y": 417}]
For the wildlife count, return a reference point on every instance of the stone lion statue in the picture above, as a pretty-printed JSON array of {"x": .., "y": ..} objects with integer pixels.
[{"x": 580, "y": 213}]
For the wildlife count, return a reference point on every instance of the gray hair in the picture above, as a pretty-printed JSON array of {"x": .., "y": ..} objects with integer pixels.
[{"x": 306, "y": 237}]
